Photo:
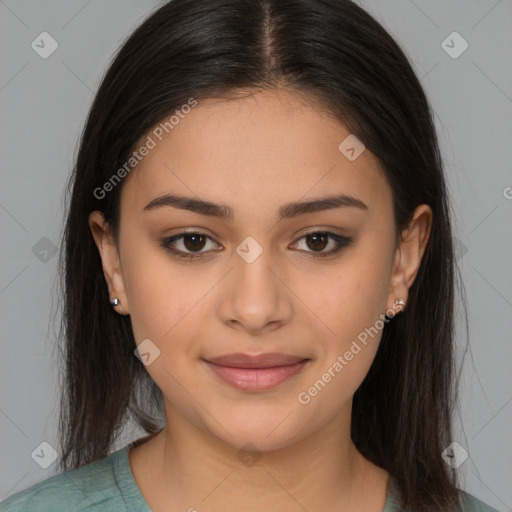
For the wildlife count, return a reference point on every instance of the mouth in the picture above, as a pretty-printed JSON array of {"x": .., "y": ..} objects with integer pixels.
[{"x": 256, "y": 373}]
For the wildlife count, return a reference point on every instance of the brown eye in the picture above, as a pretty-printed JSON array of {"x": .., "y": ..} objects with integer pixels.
[
  {"x": 194, "y": 241},
  {"x": 187, "y": 245},
  {"x": 190, "y": 245},
  {"x": 318, "y": 241}
]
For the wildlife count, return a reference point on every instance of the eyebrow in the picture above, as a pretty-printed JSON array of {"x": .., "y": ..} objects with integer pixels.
[{"x": 225, "y": 212}]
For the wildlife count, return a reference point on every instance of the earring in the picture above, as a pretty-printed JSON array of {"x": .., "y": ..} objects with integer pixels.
[
  {"x": 400, "y": 302},
  {"x": 115, "y": 302}
]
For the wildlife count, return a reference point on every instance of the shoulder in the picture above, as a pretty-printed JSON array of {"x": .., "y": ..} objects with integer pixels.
[
  {"x": 467, "y": 502},
  {"x": 471, "y": 504},
  {"x": 77, "y": 490}
]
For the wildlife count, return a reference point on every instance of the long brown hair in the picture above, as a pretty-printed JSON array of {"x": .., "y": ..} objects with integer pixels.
[{"x": 334, "y": 52}]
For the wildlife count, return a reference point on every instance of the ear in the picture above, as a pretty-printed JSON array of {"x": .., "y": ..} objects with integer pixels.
[
  {"x": 408, "y": 255},
  {"x": 110, "y": 260}
]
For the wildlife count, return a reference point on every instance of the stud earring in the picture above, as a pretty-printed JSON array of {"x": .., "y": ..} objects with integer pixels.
[
  {"x": 115, "y": 302},
  {"x": 400, "y": 302}
]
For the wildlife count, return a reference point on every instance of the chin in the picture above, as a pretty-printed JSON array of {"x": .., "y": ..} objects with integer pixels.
[
  {"x": 258, "y": 442},
  {"x": 263, "y": 431}
]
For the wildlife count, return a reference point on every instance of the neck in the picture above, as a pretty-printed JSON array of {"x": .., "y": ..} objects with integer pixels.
[{"x": 190, "y": 468}]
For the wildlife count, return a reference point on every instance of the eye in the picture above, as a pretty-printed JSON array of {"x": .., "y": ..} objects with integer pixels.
[
  {"x": 319, "y": 240},
  {"x": 193, "y": 241},
  {"x": 190, "y": 245}
]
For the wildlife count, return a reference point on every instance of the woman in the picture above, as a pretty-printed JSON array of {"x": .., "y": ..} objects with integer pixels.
[{"x": 258, "y": 248}]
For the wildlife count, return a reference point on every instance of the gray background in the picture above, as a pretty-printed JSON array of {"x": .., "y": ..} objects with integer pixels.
[{"x": 43, "y": 106}]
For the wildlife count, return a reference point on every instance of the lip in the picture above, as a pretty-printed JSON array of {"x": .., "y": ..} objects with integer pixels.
[
  {"x": 268, "y": 360},
  {"x": 256, "y": 373}
]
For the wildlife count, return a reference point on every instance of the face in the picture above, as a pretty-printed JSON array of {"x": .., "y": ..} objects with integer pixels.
[{"x": 312, "y": 283}]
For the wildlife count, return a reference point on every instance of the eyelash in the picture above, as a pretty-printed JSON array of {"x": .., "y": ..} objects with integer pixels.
[{"x": 341, "y": 241}]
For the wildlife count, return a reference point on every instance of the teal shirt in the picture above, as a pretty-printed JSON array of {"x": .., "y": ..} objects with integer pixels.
[{"x": 107, "y": 485}]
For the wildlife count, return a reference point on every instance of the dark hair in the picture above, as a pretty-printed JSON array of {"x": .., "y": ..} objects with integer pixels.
[{"x": 330, "y": 51}]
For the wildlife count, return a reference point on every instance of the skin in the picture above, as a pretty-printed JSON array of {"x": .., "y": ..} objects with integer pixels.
[{"x": 255, "y": 154}]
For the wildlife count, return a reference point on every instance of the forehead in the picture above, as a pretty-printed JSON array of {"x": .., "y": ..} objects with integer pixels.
[{"x": 265, "y": 148}]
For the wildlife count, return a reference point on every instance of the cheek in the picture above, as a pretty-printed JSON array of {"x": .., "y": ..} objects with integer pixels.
[
  {"x": 164, "y": 307},
  {"x": 158, "y": 295},
  {"x": 347, "y": 355},
  {"x": 353, "y": 307},
  {"x": 355, "y": 294}
]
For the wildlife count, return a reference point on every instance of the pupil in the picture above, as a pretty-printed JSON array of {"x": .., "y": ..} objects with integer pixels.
[
  {"x": 316, "y": 237},
  {"x": 195, "y": 244}
]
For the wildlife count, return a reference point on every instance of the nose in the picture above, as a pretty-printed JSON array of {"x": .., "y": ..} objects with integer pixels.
[{"x": 255, "y": 297}]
